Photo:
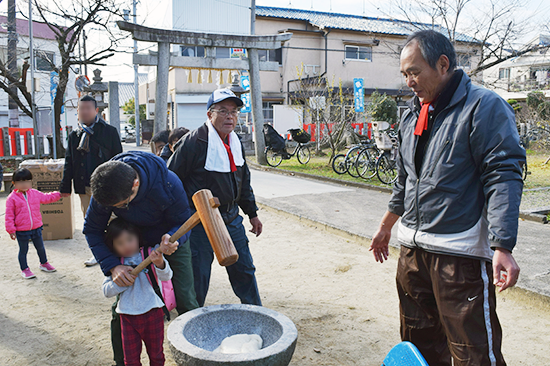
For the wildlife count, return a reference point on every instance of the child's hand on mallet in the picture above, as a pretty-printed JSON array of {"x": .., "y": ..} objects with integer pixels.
[
  {"x": 166, "y": 247},
  {"x": 157, "y": 259},
  {"x": 13, "y": 236}
]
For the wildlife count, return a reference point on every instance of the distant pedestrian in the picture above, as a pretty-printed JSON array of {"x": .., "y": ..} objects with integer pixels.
[
  {"x": 139, "y": 306},
  {"x": 92, "y": 144},
  {"x": 457, "y": 194},
  {"x": 159, "y": 141},
  {"x": 212, "y": 157},
  {"x": 24, "y": 219},
  {"x": 174, "y": 137}
]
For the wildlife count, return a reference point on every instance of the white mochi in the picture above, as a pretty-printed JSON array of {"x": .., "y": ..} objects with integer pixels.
[{"x": 240, "y": 343}]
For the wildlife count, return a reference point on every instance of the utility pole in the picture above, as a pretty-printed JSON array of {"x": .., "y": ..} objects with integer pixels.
[
  {"x": 84, "y": 51},
  {"x": 33, "y": 86},
  {"x": 253, "y": 17},
  {"x": 136, "y": 86},
  {"x": 12, "y": 63}
]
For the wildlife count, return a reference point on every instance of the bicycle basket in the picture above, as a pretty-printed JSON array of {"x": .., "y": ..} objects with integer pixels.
[{"x": 299, "y": 135}]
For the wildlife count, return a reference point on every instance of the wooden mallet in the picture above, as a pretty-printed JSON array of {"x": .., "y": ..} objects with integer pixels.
[{"x": 209, "y": 215}]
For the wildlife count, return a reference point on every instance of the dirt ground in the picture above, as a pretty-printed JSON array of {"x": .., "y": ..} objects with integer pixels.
[{"x": 343, "y": 303}]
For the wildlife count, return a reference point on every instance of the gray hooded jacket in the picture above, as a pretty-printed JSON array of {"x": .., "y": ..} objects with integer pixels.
[{"x": 465, "y": 200}]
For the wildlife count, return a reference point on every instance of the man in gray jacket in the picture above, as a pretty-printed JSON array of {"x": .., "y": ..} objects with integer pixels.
[{"x": 458, "y": 194}]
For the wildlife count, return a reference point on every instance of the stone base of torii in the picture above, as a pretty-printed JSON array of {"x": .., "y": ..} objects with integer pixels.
[{"x": 163, "y": 60}]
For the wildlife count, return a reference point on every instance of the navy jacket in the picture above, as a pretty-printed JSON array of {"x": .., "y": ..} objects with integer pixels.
[{"x": 160, "y": 207}]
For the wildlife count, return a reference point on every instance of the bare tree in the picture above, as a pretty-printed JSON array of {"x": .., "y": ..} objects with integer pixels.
[
  {"x": 489, "y": 30},
  {"x": 67, "y": 20},
  {"x": 329, "y": 106}
]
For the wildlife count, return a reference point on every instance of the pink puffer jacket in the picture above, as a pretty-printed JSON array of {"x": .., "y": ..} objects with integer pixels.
[{"x": 23, "y": 212}]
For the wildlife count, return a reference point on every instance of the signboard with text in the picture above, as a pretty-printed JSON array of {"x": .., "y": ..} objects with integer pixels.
[{"x": 358, "y": 95}]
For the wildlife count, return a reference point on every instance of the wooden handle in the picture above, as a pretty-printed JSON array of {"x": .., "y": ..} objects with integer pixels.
[{"x": 188, "y": 225}]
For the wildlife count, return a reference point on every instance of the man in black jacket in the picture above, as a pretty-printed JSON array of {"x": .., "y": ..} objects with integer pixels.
[
  {"x": 212, "y": 157},
  {"x": 92, "y": 144}
]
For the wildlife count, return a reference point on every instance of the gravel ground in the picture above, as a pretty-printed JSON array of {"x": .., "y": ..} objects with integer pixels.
[{"x": 537, "y": 198}]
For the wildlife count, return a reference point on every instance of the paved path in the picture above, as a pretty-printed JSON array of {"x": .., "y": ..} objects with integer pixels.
[{"x": 358, "y": 211}]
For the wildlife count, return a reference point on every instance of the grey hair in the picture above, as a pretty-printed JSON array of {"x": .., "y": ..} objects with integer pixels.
[{"x": 433, "y": 45}]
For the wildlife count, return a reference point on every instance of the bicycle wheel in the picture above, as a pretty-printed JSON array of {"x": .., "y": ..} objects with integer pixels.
[
  {"x": 272, "y": 157},
  {"x": 351, "y": 157},
  {"x": 339, "y": 165},
  {"x": 303, "y": 154},
  {"x": 366, "y": 163},
  {"x": 386, "y": 169}
]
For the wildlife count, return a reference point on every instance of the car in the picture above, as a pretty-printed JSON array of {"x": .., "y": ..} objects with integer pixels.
[{"x": 127, "y": 133}]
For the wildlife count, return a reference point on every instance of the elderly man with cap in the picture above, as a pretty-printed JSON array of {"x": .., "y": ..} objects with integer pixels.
[
  {"x": 458, "y": 193},
  {"x": 212, "y": 157}
]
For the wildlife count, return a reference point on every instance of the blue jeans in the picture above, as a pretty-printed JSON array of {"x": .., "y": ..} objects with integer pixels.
[
  {"x": 241, "y": 274},
  {"x": 23, "y": 238}
]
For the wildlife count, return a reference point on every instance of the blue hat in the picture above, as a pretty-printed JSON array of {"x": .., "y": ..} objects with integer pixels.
[{"x": 221, "y": 95}]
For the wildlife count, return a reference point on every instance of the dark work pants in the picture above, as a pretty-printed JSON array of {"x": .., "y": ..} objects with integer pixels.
[
  {"x": 448, "y": 308},
  {"x": 182, "y": 280},
  {"x": 23, "y": 238},
  {"x": 241, "y": 274}
]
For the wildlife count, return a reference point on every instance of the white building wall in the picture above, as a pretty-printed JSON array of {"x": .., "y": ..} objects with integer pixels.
[
  {"x": 42, "y": 94},
  {"x": 213, "y": 16}
]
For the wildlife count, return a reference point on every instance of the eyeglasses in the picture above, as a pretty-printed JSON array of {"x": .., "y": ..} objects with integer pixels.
[
  {"x": 225, "y": 113},
  {"x": 124, "y": 205}
]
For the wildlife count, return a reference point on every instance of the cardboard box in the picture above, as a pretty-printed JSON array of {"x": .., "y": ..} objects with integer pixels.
[{"x": 58, "y": 216}]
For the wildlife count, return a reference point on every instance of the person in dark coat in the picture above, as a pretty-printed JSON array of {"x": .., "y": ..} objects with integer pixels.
[
  {"x": 173, "y": 138},
  {"x": 93, "y": 143},
  {"x": 138, "y": 187},
  {"x": 212, "y": 157}
]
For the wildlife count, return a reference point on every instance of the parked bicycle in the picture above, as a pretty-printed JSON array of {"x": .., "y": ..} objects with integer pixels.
[
  {"x": 386, "y": 163},
  {"x": 346, "y": 163},
  {"x": 275, "y": 146}
]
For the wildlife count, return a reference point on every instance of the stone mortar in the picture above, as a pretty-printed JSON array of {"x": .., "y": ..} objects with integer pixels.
[{"x": 194, "y": 335}]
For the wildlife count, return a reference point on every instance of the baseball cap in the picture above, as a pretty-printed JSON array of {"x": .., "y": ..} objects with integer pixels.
[{"x": 221, "y": 95}]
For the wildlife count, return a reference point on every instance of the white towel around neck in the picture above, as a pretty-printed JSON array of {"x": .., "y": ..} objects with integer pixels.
[{"x": 217, "y": 158}]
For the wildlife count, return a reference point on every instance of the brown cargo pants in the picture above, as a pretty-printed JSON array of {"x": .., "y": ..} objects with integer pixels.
[{"x": 448, "y": 308}]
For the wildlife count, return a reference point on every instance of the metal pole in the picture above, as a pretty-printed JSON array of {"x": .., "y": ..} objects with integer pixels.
[
  {"x": 136, "y": 88},
  {"x": 33, "y": 87},
  {"x": 253, "y": 17},
  {"x": 12, "y": 63}
]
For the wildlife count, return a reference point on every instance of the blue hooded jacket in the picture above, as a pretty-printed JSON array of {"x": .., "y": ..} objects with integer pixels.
[{"x": 160, "y": 207}]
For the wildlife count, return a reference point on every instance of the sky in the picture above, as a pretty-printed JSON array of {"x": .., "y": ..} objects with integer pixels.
[{"x": 157, "y": 13}]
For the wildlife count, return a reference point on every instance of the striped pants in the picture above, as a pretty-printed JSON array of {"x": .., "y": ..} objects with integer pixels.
[{"x": 448, "y": 308}]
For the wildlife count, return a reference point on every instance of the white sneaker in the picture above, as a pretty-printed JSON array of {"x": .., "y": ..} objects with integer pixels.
[{"x": 90, "y": 262}]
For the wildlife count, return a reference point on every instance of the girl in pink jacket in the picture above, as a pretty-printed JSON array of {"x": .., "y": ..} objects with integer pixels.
[{"x": 24, "y": 220}]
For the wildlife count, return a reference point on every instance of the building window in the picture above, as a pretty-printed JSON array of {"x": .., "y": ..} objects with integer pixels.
[
  {"x": 271, "y": 55},
  {"x": 44, "y": 61},
  {"x": 358, "y": 53},
  {"x": 193, "y": 51},
  {"x": 503, "y": 73},
  {"x": 268, "y": 110},
  {"x": 222, "y": 52},
  {"x": 463, "y": 61}
]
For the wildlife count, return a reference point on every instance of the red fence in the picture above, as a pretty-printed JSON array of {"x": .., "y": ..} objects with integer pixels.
[
  {"x": 358, "y": 127},
  {"x": 16, "y": 141}
]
